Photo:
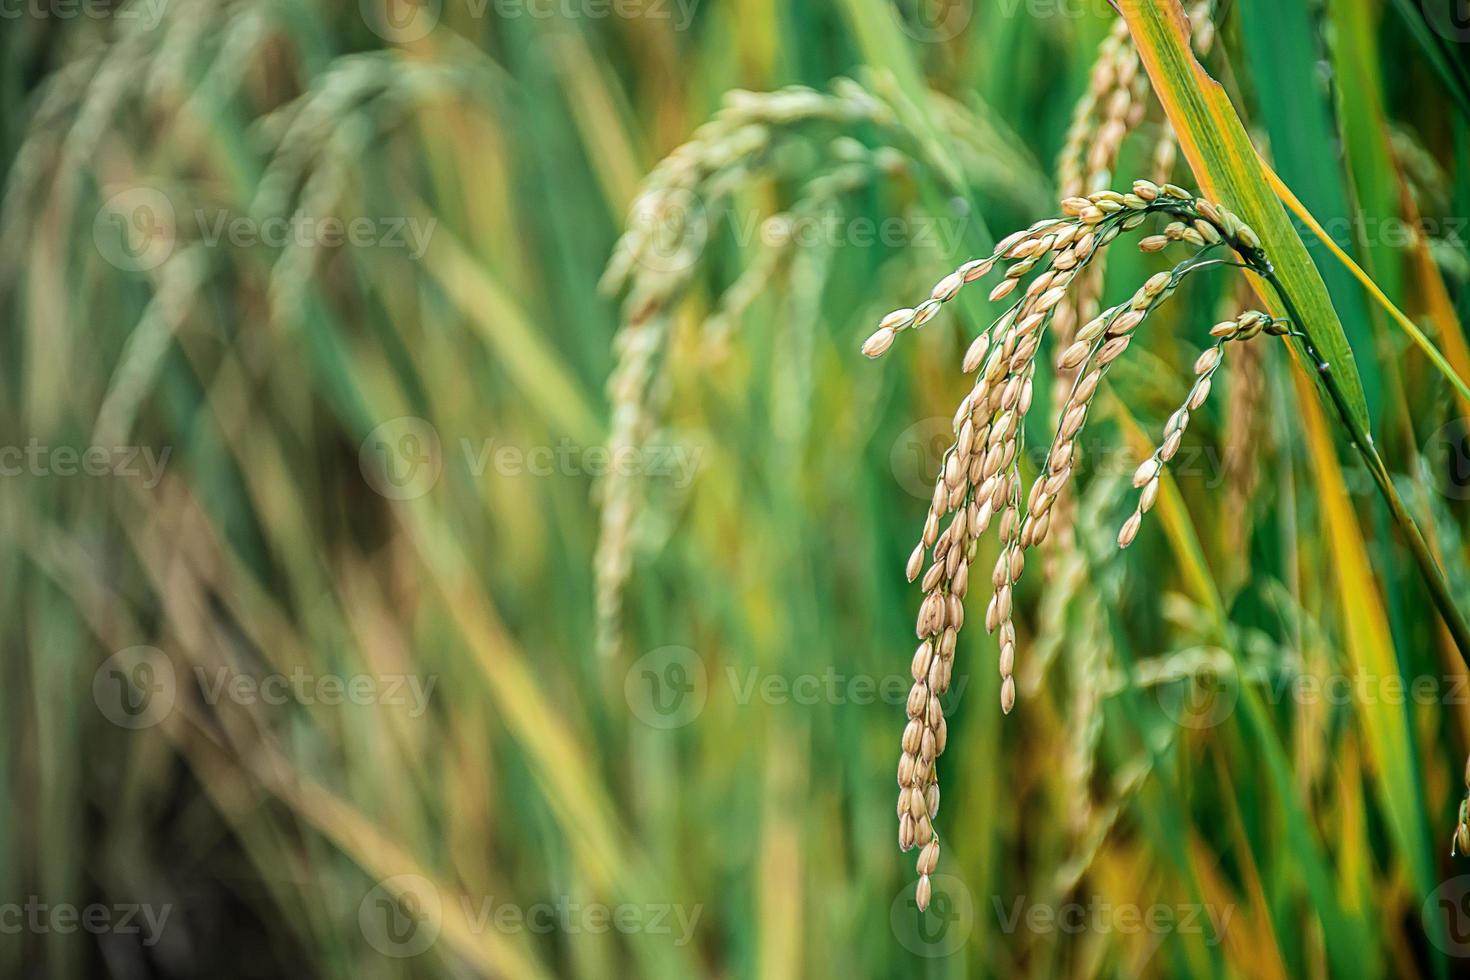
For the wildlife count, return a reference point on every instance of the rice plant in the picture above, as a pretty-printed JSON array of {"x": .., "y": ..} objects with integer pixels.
[{"x": 456, "y": 526}]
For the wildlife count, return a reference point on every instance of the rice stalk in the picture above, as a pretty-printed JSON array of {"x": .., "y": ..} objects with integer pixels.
[
  {"x": 1244, "y": 436},
  {"x": 670, "y": 222},
  {"x": 1075, "y": 596},
  {"x": 980, "y": 479},
  {"x": 1113, "y": 106}
]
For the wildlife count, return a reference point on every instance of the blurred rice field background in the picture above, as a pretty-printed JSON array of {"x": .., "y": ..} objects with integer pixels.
[{"x": 364, "y": 618}]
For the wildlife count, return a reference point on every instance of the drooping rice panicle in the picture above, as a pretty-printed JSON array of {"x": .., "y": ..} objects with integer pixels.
[
  {"x": 1146, "y": 477},
  {"x": 670, "y": 221},
  {"x": 1113, "y": 106},
  {"x": 980, "y": 480}
]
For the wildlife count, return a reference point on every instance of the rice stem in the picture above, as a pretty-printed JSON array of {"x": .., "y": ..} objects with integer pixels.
[{"x": 1429, "y": 569}]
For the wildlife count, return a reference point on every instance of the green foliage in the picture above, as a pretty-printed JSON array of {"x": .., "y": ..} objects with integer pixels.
[{"x": 306, "y": 373}]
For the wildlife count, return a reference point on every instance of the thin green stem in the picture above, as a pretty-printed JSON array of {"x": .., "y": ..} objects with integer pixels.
[{"x": 1428, "y": 568}]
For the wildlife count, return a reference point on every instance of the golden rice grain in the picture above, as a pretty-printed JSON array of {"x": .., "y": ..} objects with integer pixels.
[{"x": 980, "y": 479}]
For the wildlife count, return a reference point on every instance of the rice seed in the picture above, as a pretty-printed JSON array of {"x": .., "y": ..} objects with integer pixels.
[
  {"x": 947, "y": 287},
  {"x": 979, "y": 347},
  {"x": 897, "y": 320},
  {"x": 1129, "y": 530},
  {"x": 925, "y": 312},
  {"x": 916, "y": 561},
  {"x": 1149, "y": 495},
  {"x": 1111, "y": 350},
  {"x": 975, "y": 269},
  {"x": 923, "y": 657},
  {"x": 1073, "y": 356},
  {"x": 879, "y": 342},
  {"x": 928, "y": 860},
  {"x": 924, "y": 891}
]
